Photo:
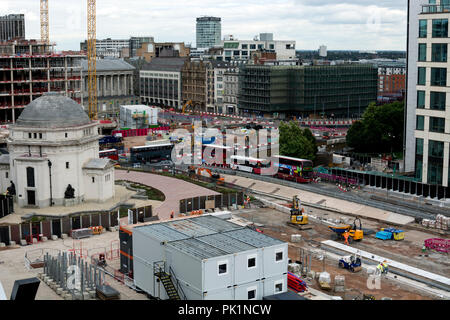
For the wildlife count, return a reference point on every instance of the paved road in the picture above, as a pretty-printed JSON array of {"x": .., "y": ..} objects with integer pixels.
[{"x": 174, "y": 189}]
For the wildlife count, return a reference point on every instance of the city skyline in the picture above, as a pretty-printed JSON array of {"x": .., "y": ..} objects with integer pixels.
[{"x": 341, "y": 25}]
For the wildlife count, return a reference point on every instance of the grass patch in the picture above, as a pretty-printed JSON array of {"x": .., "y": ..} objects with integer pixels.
[{"x": 151, "y": 193}]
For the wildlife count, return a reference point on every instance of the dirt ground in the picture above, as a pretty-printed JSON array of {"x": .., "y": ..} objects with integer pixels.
[{"x": 407, "y": 251}]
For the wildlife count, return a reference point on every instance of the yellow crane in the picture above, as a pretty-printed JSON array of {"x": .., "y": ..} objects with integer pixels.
[
  {"x": 92, "y": 58},
  {"x": 45, "y": 38},
  {"x": 189, "y": 103}
]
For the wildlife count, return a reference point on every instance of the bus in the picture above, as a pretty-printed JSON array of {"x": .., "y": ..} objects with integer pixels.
[
  {"x": 249, "y": 164},
  {"x": 112, "y": 154},
  {"x": 151, "y": 153},
  {"x": 212, "y": 152},
  {"x": 299, "y": 170}
]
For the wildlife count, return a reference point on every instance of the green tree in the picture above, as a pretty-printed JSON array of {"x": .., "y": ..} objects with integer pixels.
[
  {"x": 297, "y": 142},
  {"x": 380, "y": 129}
]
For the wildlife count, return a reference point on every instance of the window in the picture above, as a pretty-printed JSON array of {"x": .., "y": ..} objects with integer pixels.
[
  {"x": 245, "y": 46},
  {"x": 30, "y": 177},
  {"x": 251, "y": 293},
  {"x": 420, "y": 99},
  {"x": 437, "y": 124},
  {"x": 439, "y": 77},
  {"x": 278, "y": 286},
  {"x": 439, "y": 52},
  {"x": 278, "y": 256},
  {"x": 419, "y": 159},
  {"x": 435, "y": 161},
  {"x": 422, "y": 52},
  {"x": 261, "y": 46},
  {"x": 420, "y": 122},
  {"x": 67, "y": 165},
  {"x": 422, "y": 28},
  {"x": 251, "y": 262},
  {"x": 40, "y": 135},
  {"x": 440, "y": 28},
  {"x": 437, "y": 100},
  {"x": 93, "y": 179},
  {"x": 66, "y": 134},
  {"x": 29, "y": 135},
  {"x": 223, "y": 268},
  {"x": 271, "y": 46},
  {"x": 252, "y": 46},
  {"x": 35, "y": 135},
  {"x": 6, "y": 174},
  {"x": 421, "y": 76}
]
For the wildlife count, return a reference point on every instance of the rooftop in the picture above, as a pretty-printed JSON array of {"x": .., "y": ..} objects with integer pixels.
[
  {"x": 53, "y": 110},
  {"x": 109, "y": 65},
  {"x": 165, "y": 64},
  {"x": 97, "y": 164},
  {"x": 205, "y": 237}
]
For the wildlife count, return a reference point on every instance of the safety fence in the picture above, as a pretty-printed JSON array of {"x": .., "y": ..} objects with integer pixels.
[
  {"x": 139, "y": 132},
  {"x": 211, "y": 202}
]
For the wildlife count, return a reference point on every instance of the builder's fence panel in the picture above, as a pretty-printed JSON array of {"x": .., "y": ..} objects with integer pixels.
[{"x": 211, "y": 202}]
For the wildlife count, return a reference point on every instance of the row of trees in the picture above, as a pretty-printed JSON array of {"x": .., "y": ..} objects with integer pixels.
[
  {"x": 380, "y": 129},
  {"x": 297, "y": 142}
]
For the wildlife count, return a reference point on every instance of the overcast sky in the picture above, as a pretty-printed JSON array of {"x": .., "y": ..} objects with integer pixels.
[{"x": 339, "y": 24}]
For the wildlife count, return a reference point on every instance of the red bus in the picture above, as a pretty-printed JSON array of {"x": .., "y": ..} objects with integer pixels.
[
  {"x": 249, "y": 164},
  {"x": 212, "y": 153},
  {"x": 112, "y": 154},
  {"x": 299, "y": 170}
]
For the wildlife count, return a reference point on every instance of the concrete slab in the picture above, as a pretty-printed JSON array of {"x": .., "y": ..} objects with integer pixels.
[{"x": 391, "y": 263}]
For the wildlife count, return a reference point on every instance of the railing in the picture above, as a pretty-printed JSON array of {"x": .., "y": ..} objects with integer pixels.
[
  {"x": 178, "y": 286},
  {"x": 435, "y": 8}
]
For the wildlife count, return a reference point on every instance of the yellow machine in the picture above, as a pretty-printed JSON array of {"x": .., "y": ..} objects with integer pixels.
[
  {"x": 347, "y": 232},
  {"x": 298, "y": 218},
  {"x": 188, "y": 104}
]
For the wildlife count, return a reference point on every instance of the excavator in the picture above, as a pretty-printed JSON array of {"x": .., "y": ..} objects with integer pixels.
[
  {"x": 187, "y": 104},
  {"x": 215, "y": 176},
  {"x": 298, "y": 218}
]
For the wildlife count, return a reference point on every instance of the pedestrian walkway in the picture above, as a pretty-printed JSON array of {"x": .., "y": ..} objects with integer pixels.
[
  {"x": 343, "y": 206},
  {"x": 174, "y": 189}
]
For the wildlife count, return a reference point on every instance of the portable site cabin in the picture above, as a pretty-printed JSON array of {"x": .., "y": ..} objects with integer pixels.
[{"x": 208, "y": 258}]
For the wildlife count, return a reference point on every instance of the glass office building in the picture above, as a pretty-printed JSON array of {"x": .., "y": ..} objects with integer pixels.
[{"x": 209, "y": 32}]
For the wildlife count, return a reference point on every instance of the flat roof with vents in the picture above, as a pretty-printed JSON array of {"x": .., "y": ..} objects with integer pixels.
[{"x": 205, "y": 237}]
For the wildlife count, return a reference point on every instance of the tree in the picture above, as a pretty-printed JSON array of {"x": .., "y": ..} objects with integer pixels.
[
  {"x": 380, "y": 129},
  {"x": 297, "y": 142}
]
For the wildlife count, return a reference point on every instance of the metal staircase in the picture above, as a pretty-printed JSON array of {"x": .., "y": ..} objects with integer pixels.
[{"x": 172, "y": 290}]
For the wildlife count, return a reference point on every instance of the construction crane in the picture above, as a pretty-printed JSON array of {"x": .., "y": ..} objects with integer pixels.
[
  {"x": 92, "y": 58},
  {"x": 45, "y": 38}
]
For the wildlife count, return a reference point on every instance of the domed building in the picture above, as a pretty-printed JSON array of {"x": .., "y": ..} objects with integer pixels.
[{"x": 53, "y": 156}]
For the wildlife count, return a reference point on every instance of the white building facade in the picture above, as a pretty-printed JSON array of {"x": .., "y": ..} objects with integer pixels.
[
  {"x": 54, "y": 145},
  {"x": 427, "y": 137},
  {"x": 244, "y": 49}
]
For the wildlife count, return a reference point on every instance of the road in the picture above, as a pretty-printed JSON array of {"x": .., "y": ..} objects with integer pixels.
[{"x": 174, "y": 189}]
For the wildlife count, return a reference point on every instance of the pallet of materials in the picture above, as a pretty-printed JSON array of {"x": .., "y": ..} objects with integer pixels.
[
  {"x": 106, "y": 292},
  {"x": 81, "y": 233}
]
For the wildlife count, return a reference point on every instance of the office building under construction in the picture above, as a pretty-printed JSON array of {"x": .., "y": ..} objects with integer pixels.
[
  {"x": 341, "y": 91},
  {"x": 29, "y": 68}
]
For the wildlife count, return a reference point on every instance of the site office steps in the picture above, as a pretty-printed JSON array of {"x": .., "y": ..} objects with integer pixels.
[{"x": 167, "y": 279}]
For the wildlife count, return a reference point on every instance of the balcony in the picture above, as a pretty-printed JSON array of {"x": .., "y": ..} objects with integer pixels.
[{"x": 436, "y": 8}]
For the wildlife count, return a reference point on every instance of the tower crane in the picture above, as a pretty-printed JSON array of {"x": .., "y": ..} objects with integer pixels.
[
  {"x": 45, "y": 38},
  {"x": 92, "y": 56}
]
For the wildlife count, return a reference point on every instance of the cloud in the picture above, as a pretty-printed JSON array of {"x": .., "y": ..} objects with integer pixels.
[{"x": 340, "y": 24}]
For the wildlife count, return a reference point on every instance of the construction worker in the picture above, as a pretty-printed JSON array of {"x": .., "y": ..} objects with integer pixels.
[
  {"x": 171, "y": 215},
  {"x": 385, "y": 266},
  {"x": 380, "y": 268},
  {"x": 346, "y": 235}
]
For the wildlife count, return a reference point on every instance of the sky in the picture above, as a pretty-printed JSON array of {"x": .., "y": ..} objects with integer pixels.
[{"x": 338, "y": 24}]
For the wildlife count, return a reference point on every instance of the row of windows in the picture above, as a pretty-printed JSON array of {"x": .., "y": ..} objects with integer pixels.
[
  {"x": 437, "y": 100},
  {"x": 251, "y": 263},
  {"x": 439, "y": 28},
  {"x": 435, "y": 161},
  {"x": 438, "y": 76},
  {"x": 438, "y": 52},
  {"x": 435, "y": 124},
  {"x": 35, "y": 135}
]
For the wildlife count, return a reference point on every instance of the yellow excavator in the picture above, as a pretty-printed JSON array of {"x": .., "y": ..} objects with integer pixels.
[
  {"x": 298, "y": 216},
  {"x": 187, "y": 104}
]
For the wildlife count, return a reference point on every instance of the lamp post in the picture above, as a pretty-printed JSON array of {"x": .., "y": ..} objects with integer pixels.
[{"x": 50, "y": 175}]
